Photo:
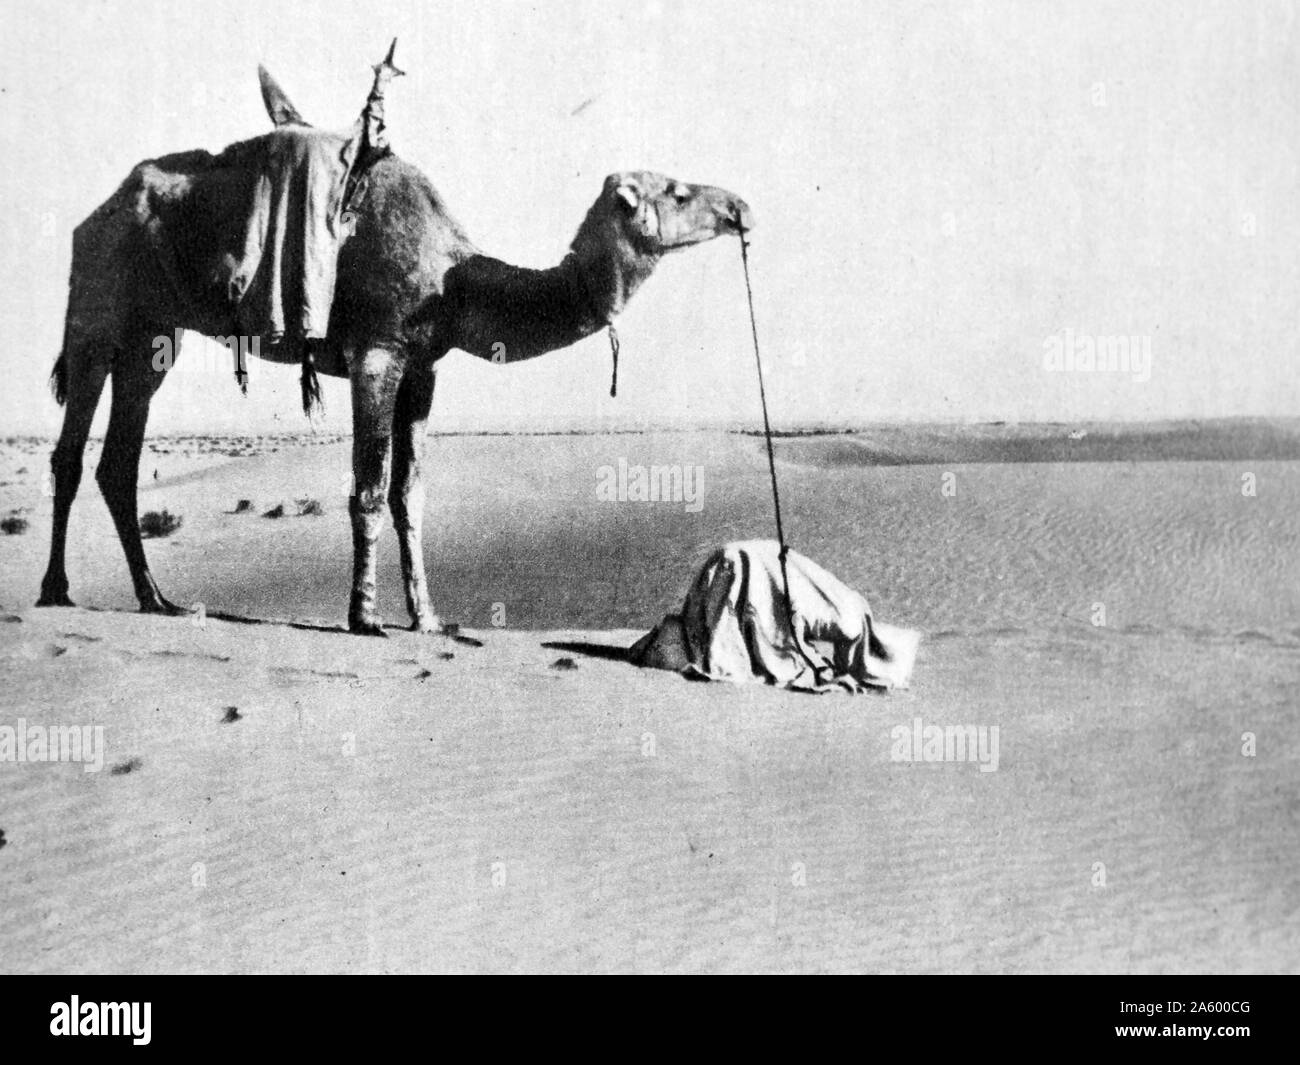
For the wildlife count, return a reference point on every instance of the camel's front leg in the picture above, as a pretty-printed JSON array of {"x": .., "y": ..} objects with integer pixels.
[
  {"x": 406, "y": 494},
  {"x": 375, "y": 377}
]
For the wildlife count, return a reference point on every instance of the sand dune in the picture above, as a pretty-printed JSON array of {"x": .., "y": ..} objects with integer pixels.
[{"x": 424, "y": 804}]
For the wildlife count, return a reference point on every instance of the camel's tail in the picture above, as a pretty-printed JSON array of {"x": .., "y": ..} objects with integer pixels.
[{"x": 59, "y": 380}]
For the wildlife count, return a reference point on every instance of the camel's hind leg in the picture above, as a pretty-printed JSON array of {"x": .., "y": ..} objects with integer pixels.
[
  {"x": 134, "y": 383},
  {"x": 81, "y": 378},
  {"x": 406, "y": 491}
]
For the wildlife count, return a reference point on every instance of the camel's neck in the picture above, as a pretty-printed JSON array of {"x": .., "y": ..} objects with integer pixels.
[
  {"x": 612, "y": 270},
  {"x": 508, "y": 313}
]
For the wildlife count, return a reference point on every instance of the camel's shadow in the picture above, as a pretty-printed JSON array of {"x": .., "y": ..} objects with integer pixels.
[
  {"x": 450, "y": 632},
  {"x": 284, "y": 623},
  {"x": 609, "y": 652}
]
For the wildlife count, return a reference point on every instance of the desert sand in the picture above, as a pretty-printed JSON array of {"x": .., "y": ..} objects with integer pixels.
[{"x": 278, "y": 796}]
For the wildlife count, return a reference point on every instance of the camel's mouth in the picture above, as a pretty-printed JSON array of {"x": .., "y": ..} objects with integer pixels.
[
  {"x": 718, "y": 214},
  {"x": 741, "y": 218}
]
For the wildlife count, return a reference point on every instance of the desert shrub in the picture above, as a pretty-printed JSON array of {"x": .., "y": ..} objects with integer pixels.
[
  {"x": 13, "y": 525},
  {"x": 309, "y": 508},
  {"x": 276, "y": 511},
  {"x": 243, "y": 506},
  {"x": 159, "y": 523}
]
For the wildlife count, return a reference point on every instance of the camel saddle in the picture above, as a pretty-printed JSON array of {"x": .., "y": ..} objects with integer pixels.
[
  {"x": 247, "y": 241},
  {"x": 280, "y": 278}
]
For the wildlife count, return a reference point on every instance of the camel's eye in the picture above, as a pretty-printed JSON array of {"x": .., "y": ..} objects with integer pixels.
[{"x": 681, "y": 193}]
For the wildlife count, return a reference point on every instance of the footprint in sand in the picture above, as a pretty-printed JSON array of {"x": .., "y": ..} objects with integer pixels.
[
  {"x": 168, "y": 652},
  {"x": 564, "y": 663},
  {"x": 129, "y": 766},
  {"x": 3, "y": 841},
  {"x": 34, "y": 651},
  {"x": 231, "y": 715}
]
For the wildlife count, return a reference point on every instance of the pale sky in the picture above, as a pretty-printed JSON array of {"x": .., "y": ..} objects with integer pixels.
[{"x": 940, "y": 190}]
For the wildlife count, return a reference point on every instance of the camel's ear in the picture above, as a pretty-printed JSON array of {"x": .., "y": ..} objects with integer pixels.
[
  {"x": 629, "y": 192},
  {"x": 278, "y": 106}
]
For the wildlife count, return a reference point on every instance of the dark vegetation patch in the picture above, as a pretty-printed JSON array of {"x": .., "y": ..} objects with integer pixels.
[{"x": 157, "y": 523}]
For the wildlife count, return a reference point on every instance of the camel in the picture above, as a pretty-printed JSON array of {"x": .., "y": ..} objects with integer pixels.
[{"x": 411, "y": 286}]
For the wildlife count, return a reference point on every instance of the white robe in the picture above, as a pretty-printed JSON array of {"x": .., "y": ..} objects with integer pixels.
[{"x": 734, "y": 626}]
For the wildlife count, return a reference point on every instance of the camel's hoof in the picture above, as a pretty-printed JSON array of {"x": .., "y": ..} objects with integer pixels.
[
  {"x": 54, "y": 599},
  {"x": 430, "y": 626},
  {"x": 367, "y": 628}
]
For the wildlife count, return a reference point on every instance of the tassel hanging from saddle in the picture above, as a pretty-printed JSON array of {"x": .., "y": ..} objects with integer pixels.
[
  {"x": 313, "y": 401},
  {"x": 241, "y": 368}
]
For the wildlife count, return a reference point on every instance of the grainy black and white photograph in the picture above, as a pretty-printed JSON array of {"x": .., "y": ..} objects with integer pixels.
[{"x": 649, "y": 487}]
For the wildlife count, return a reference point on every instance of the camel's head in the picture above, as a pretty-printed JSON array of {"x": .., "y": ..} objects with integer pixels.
[{"x": 658, "y": 214}]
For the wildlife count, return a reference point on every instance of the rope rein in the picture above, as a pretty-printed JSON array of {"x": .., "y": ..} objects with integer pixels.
[
  {"x": 771, "y": 456},
  {"x": 767, "y": 435},
  {"x": 762, "y": 395}
]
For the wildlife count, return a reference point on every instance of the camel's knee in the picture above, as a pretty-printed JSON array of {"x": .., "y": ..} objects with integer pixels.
[
  {"x": 368, "y": 500},
  {"x": 366, "y": 509}
]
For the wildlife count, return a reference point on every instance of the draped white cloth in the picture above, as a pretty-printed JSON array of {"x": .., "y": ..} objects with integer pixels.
[{"x": 734, "y": 626}]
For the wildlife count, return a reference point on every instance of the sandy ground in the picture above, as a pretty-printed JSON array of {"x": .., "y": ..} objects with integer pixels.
[{"x": 283, "y": 797}]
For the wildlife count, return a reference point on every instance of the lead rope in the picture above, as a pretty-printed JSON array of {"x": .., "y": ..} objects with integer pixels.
[{"x": 771, "y": 457}]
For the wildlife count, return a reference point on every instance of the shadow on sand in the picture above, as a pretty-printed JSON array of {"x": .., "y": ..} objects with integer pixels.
[
  {"x": 591, "y": 650},
  {"x": 451, "y": 632}
]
